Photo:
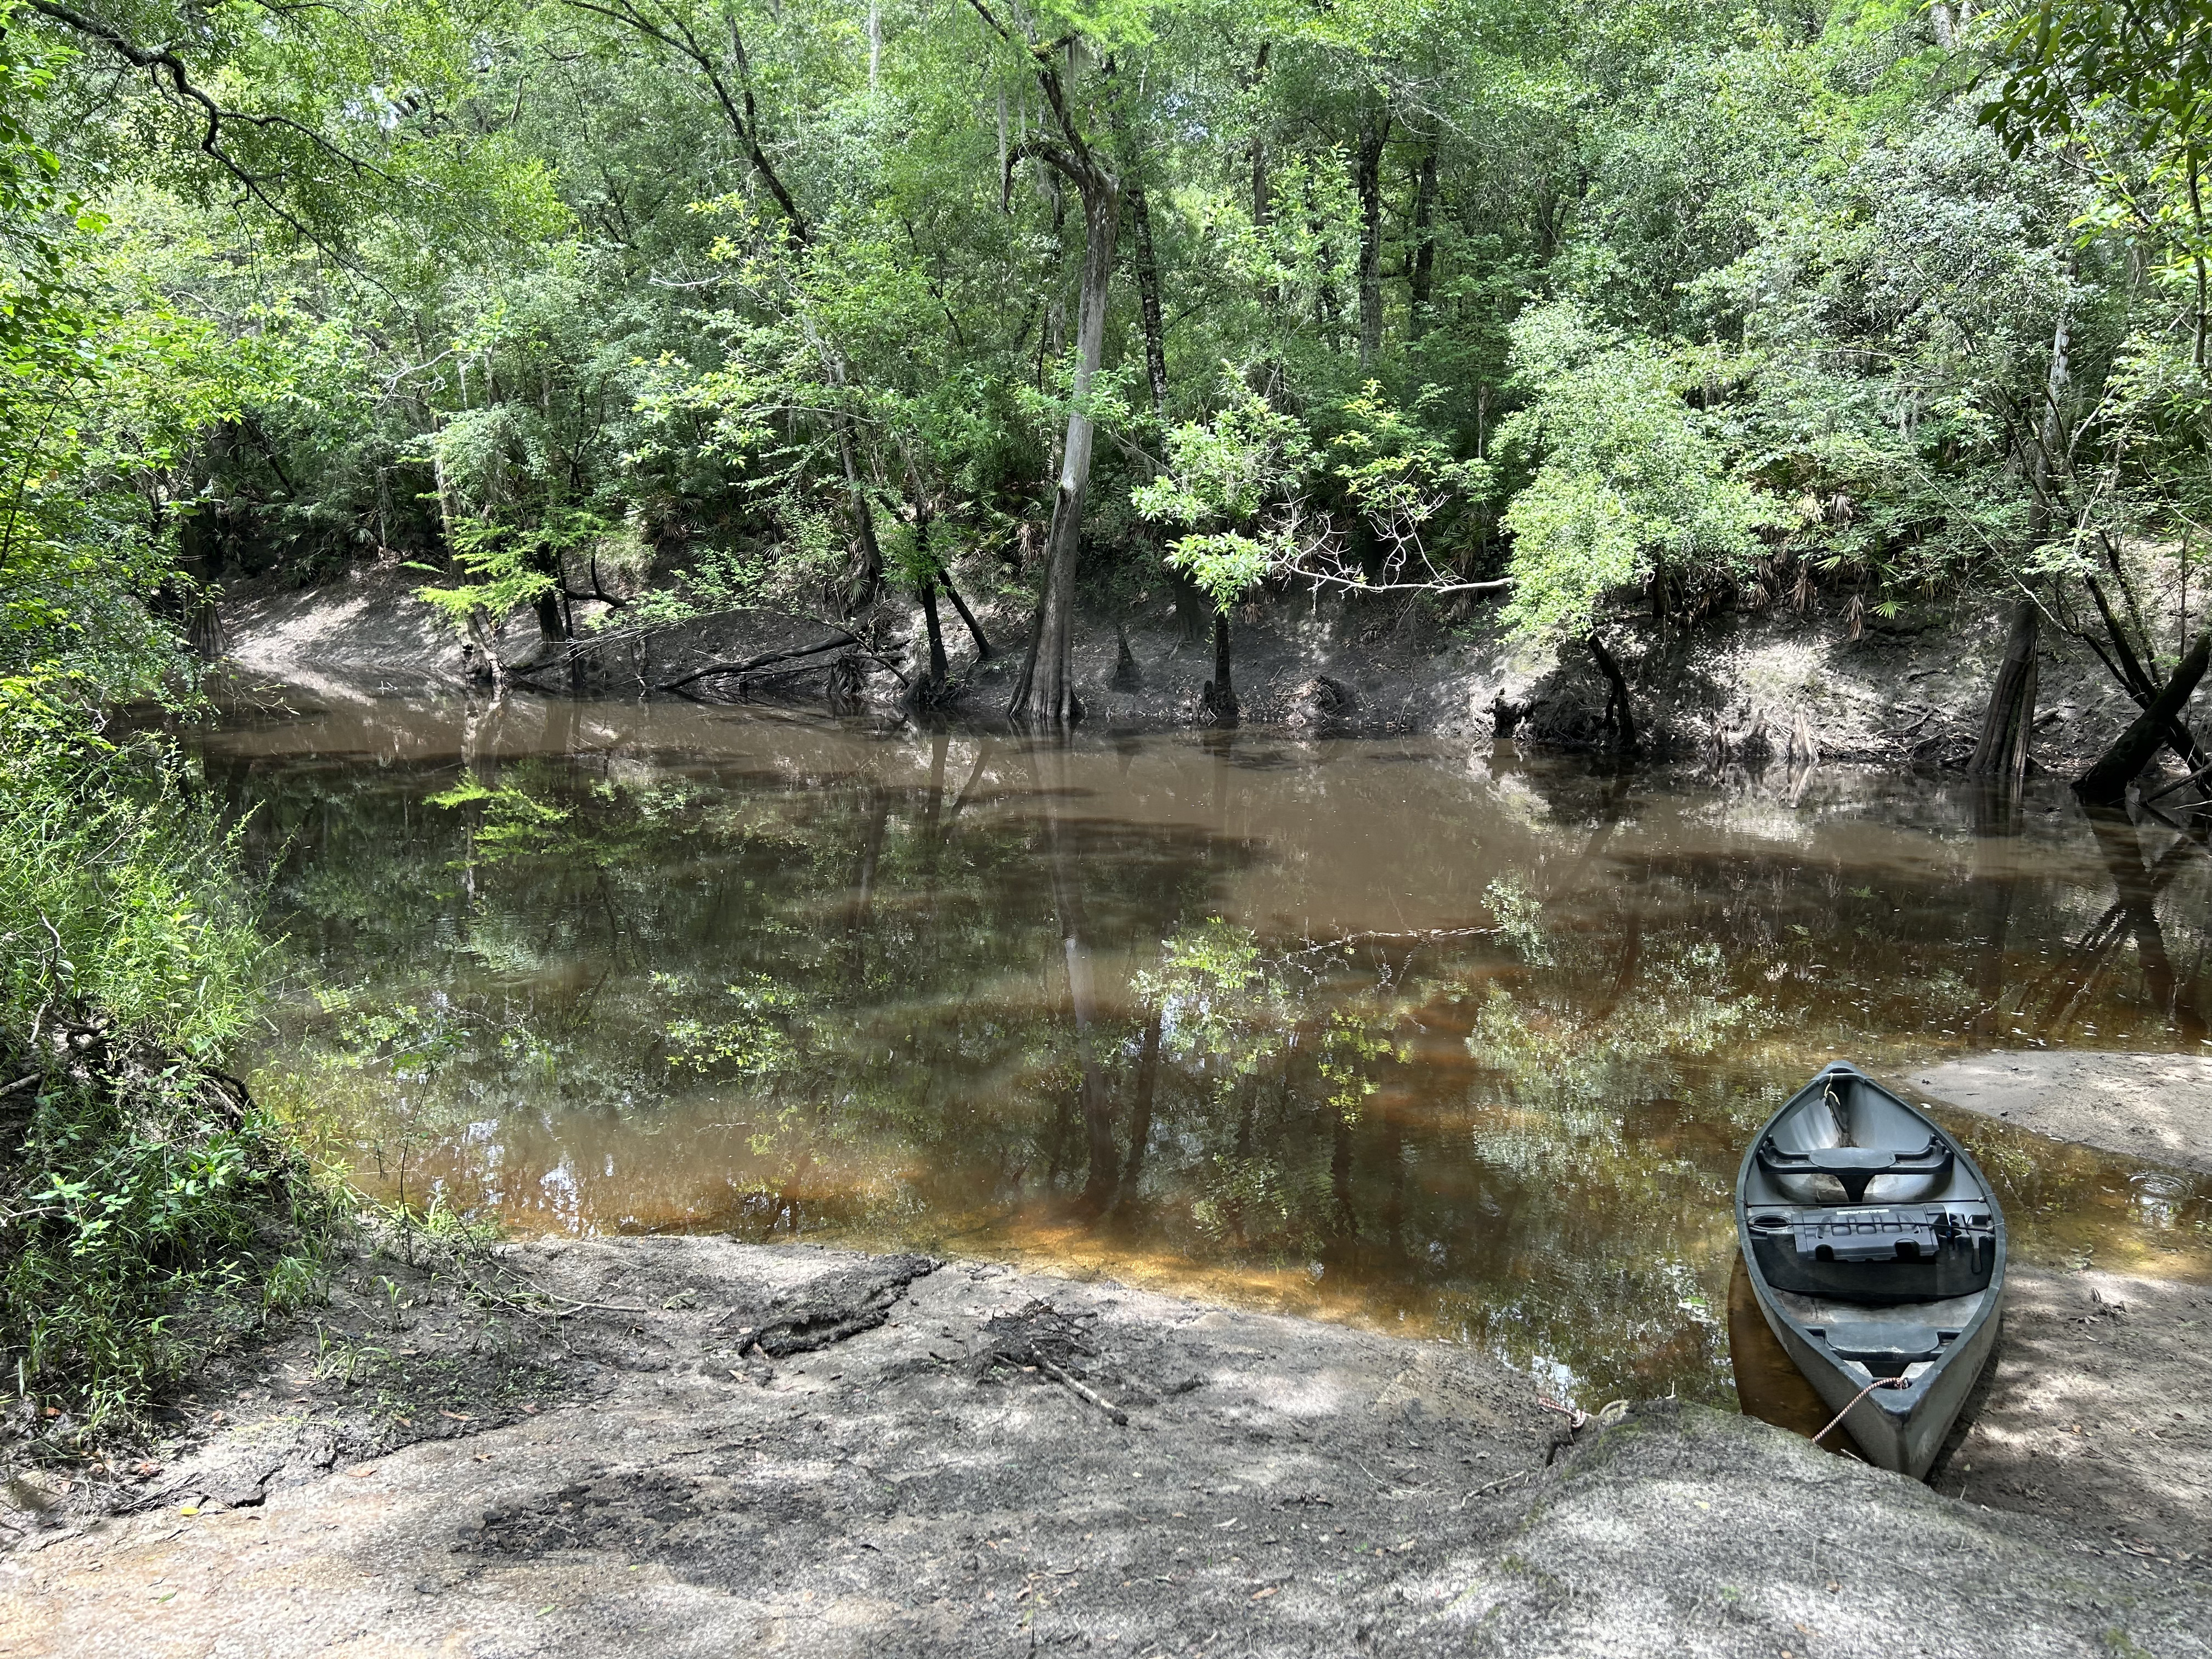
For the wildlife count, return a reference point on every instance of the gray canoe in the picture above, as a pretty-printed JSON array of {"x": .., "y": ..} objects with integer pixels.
[{"x": 1877, "y": 1251}]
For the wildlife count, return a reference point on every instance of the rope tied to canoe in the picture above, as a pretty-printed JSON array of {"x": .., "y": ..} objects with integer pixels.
[{"x": 1879, "y": 1383}]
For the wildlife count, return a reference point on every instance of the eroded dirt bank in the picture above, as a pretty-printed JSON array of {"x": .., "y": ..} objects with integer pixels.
[
  {"x": 728, "y": 1447},
  {"x": 1774, "y": 689}
]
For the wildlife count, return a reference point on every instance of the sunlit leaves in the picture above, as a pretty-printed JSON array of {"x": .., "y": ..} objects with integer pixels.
[{"x": 1631, "y": 479}]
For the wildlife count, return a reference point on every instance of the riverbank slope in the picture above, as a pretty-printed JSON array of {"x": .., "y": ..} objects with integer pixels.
[
  {"x": 694, "y": 1443},
  {"x": 1776, "y": 689}
]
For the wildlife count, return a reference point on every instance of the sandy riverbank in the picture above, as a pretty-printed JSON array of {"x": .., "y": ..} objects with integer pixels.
[
  {"x": 2155, "y": 1107},
  {"x": 457, "y": 1477}
]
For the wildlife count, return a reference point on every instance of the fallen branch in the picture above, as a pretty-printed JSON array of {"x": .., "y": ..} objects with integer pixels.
[
  {"x": 2198, "y": 776},
  {"x": 2105, "y": 783},
  {"x": 842, "y": 637},
  {"x": 1497, "y": 1485},
  {"x": 1081, "y": 1390}
]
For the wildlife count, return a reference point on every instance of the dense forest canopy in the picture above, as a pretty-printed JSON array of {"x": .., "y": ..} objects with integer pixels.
[{"x": 631, "y": 309}]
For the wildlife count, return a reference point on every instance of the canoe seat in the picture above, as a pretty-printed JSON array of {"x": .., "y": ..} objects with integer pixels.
[
  {"x": 1855, "y": 1166},
  {"x": 1884, "y": 1350}
]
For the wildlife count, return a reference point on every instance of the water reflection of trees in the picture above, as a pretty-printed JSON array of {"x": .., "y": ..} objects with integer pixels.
[{"x": 954, "y": 994}]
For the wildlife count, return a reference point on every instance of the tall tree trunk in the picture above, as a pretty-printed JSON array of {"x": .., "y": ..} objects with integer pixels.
[
  {"x": 1262, "y": 212},
  {"x": 1045, "y": 693},
  {"x": 1374, "y": 128},
  {"x": 934, "y": 692},
  {"x": 2105, "y": 784},
  {"x": 866, "y": 579},
  {"x": 1148, "y": 302},
  {"x": 2050, "y": 429},
  {"x": 2001, "y": 755},
  {"x": 937, "y": 663},
  {"x": 1424, "y": 239}
]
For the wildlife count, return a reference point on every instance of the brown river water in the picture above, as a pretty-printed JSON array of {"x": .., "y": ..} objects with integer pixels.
[{"x": 1372, "y": 1029}]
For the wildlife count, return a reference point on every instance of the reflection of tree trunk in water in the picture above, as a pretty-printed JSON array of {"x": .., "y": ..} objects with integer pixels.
[
  {"x": 1219, "y": 747},
  {"x": 1631, "y": 963},
  {"x": 933, "y": 804},
  {"x": 975, "y": 774},
  {"x": 1141, "y": 1107},
  {"x": 1098, "y": 1105},
  {"x": 2123, "y": 849},
  {"x": 1339, "y": 1174},
  {"x": 1247, "y": 1113},
  {"x": 1996, "y": 818},
  {"x": 1609, "y": 820},
  {"x": 1393, "y": 1199},
  {"x": 878, "y": 810}
]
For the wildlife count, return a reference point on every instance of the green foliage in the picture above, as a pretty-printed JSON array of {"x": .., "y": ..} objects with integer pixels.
[
  {"x": 1631, "y": 482},
  {"x": 754, "y": 1041},
  {"x": 1222, "y": 476},
  {"x": 119, "y": 898},
  {"x": 156, "y": 1221},
  {"x": 149, "y": 1211}
]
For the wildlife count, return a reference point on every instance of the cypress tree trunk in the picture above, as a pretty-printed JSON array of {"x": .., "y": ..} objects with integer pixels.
[
  {"x": 1219, "y": 697},
  {"x": 2001, "y": 755},
  {"x": 1126, "y": 675}
]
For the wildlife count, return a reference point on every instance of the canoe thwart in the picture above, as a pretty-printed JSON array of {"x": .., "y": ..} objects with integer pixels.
[{"x": 1853, "y": 1167}]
